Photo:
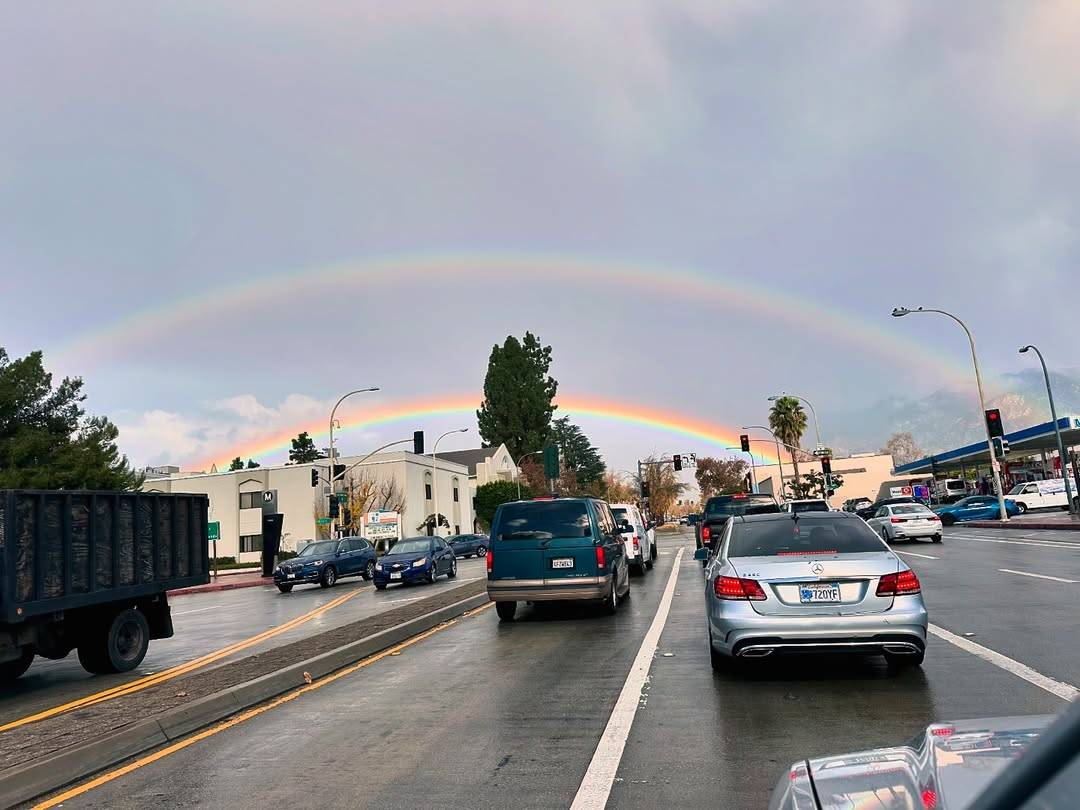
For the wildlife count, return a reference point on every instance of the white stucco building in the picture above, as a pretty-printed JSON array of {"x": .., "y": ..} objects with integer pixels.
[
  {"x": 485, "y": 464},
  {"x": 236, "y": 498}
]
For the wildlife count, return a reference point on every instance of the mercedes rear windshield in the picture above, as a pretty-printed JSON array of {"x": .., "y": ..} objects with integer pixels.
[
  {"x": 805, "y": 535},
  {"x": 542, "y": 520}
]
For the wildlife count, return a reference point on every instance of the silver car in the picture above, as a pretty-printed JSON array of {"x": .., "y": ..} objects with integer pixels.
[
  {"x": 905, "y": 521},
  {"x": 816, "y": 582}
]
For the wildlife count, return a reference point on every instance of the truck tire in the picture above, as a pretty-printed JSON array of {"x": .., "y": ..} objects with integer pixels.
[
  {"x": 118, "y": 646},
  {"x": 10, "y": 670}
]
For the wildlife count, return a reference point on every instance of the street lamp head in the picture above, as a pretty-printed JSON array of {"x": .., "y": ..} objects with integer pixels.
[
  {"x": 1025, "y": 348},
  {"x": 900, "y": 312},
  {"x": 463, "y": 430},
  {"x": 774, "y": 397}
]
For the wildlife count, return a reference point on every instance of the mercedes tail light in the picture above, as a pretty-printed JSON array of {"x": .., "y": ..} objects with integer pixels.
[
  {"x": 899, "y": 584},
  {"x": 738, "y": 588}
]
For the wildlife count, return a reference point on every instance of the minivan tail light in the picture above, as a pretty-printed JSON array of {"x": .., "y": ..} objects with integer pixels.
[
  {"x": 738, "y": 588},
  {"x": 900, "y": 584},
  {"x": 599, "y": 556},
  {"x": 706, "y": 533},
  {"x": 637, "y": 541},
  {"x": 490, "y": 560}
]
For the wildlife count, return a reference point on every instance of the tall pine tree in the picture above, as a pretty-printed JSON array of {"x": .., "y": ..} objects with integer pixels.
[
  {"x": 518, "y": 396},
  {"x": 576, "y": 452}
]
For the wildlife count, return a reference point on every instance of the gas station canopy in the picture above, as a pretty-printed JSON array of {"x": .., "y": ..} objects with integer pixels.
[{"x": 1028, "y": 441}]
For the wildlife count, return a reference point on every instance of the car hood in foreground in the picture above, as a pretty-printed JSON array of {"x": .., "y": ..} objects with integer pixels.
[{"x": 945, "y": 767}]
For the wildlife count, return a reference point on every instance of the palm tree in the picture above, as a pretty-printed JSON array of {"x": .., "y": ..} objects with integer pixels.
[{"x": 788, "y": 421}]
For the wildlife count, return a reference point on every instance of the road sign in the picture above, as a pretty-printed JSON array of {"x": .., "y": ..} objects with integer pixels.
[
  {"x": 822, "y": 451},
  {"x": 342, "y": 497},
  {"x": 213, "y": 530},
  {"x": 921, "y": 492},
  {"x": 382, "y": 526},
  {"x": 322, "y": 521}
]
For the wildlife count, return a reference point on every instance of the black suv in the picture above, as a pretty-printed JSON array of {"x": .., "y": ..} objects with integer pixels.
[{"x": 721, "y": 507}]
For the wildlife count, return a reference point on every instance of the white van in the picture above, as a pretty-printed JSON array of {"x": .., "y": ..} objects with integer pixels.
[
  {"x": 637, "y": 536},
  {"x": 1040, "y": 494}
]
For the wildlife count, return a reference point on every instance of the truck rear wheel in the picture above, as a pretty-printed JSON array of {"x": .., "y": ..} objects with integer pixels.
[
  {"x": 10, "y": 670},
  {"x": 118, "y": 646}
]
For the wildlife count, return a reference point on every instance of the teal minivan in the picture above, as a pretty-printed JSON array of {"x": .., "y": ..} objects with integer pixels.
[{"x": 555, "y": 549}]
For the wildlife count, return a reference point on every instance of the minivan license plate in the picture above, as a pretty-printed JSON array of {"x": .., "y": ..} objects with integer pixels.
[
  {"x": 563, "y": 562},
  {"x": 813, "y": 594}
]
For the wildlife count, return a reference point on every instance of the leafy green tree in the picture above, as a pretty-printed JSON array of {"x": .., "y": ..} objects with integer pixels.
[
  {"x": 429, "y": 524},
  {"x": 664, "y": 485},
  {"x": 720, "y": 476},
  {"x": 46, "y": 439},
  {"x": 788, "y": 421},
  {"x": 813, "y": 484},
  {"x": 303, "y": 450},
  {"x": 491, "y": 495},
  {"x": 577, "y": 453},
  {"x": 518, "y": 396},
  {"x": 236, "y": 464},
  {"x": 252, "y": 464}
]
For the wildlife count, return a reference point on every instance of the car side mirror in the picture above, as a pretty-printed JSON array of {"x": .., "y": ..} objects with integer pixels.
[{"x": 701, "y": 554}]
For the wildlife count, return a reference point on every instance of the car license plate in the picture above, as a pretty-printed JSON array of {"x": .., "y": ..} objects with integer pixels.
[
  {"x": 563, "y": 562},
  {"x": 813, "y": 594},
  {"x": 396, "y": 576},
  {"x": 290, "y": 576}
]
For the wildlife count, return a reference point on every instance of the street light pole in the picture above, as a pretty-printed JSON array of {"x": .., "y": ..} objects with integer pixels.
[
  {"x": 434, "y": 479},
  {"x": 517, "y": 474},
  {"x": 817, "y": 425},
  {"x": 995, "y": 468},
  {"x": 330, "y": 477},
  {"x": 779, "y": 462},
  {"x": 1057, "y": 430}
]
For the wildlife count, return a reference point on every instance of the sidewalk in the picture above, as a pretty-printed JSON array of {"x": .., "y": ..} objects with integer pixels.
[
  {"x": 1060, "y": 521},
  {"x": 228, "y": 581}
]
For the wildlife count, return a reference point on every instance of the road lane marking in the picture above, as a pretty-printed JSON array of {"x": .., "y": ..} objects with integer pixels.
[
  {"x": 179, "y": 669},
  {"x": 1062, "y": 690},
  {"x": 1038, "y": 576},
  {"x": 198, "y": 610},
  {"x": 913, "y": 554},
  {"x": 1029, "y": 543},
  {"x": 105, "y": 778},
  {"x": 596, "y": 786}
]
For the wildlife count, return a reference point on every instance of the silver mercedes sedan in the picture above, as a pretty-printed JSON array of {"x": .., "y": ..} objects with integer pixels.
[{"x": 810, "y": 583}]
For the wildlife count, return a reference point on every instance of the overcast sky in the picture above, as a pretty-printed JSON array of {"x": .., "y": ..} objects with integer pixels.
[{"x": 821, "y": 162}]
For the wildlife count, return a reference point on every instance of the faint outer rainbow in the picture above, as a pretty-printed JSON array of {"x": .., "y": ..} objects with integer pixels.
[
  {"x": 514, "y": 270},
  {"x": 666, "y": 421}
]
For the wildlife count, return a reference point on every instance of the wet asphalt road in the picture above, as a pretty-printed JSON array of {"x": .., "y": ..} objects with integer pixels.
[
  {"x": 207, "y": 622},
  {"x": 489, "y": 715}
]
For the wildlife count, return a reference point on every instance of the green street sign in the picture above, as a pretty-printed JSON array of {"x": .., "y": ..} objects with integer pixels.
[
  {"x": 322, "y": 521},
  {"x": 342, "y": 497},
  {"x": 213, "y": 530}
]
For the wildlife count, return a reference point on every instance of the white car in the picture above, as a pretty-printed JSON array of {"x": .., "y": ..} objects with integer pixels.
[
  {"x": 638, "y": 537},
  {"x": 1040, "y": 494},
  {"x": 801, "y": 505},
  {"x": 905, "y": 521}
]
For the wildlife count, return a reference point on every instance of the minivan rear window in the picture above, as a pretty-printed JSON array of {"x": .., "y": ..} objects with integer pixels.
[
  {"x": 543, "y": 520},
  {"x": 807, "y": 535},
  {"x": 620, "y": 514}
]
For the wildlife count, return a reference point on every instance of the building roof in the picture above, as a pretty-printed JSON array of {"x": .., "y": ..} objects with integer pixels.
[
  {"x": 469, "y": 458},
  {"x": 1029, "y": 440}
]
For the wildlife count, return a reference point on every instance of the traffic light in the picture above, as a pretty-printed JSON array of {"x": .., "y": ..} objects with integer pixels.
[
  {"x": 418, "y": 442},
  {"x": 826, "y": 466},
  {"x": 1001, "y": 447},
  {"x": 339, "y": 470},
  {"x": 993, "y": 423},
  {"x": 551, "y": 461},
  {"x": 644, "y": 489},
  {"x": 676, "y": 460},
  {"x": 744, "y": 441},
  {"x": 333, "y": 507},
  {"x": 314, "y": 476}
]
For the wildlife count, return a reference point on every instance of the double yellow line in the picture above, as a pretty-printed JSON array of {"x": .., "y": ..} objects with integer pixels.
[
  {"x": 180, "y": 669},
  {"x": 160, "y": 754}
]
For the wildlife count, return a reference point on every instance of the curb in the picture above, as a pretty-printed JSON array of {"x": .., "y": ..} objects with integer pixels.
[
  {"x": 1027, "y": 524},
  {"x": 44, "y": 776},
  {"x": 214, "y": 587}
]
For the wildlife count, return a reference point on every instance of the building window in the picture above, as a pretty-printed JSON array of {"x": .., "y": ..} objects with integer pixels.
[
  {"x": 427, "y": 486},
  {"x": 250, "y": 542},
  {"x": 250, "y": 500},
  {"x": 455, "y": 490}
]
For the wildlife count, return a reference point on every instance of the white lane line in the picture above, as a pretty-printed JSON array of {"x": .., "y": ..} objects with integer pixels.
[
  {"x": 1065, "y": 691},
  {"x": 596, "y": 786},
  {"x": 1038, "y": 576},
  {"x": 1028, "y": 543},
  {"x": 913, "y": 554},
  {"x": 197, "y": 610}
]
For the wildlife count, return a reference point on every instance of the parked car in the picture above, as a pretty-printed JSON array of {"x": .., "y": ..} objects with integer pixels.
[
  {"x": 868, "y": 512},
  {"x": 469, "y": 545},
  {"x": 720, "y": 508},
  {"x": 821, "y": 583},
  {"x": 975, "y": 507},
  {"x": 637, "y": 537},
  {"x": 415, "y": 559},
  {"x": 806, "y": 505},
  {"x": 325, "y": 562},
  {"x": 906, "y": 521},
  {"x": 554, "y": 549},
  {"x": 1040, "y": 495}
]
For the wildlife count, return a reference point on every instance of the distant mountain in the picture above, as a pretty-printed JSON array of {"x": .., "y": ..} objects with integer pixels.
[{"x": 949, "y": 419}]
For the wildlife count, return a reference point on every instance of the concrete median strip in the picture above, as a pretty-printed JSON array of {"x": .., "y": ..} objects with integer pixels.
[{"x": 24, "y": 782}]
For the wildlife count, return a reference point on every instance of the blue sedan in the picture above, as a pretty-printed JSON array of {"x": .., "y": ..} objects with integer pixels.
[
  {"x": 975, "y": 507},
  {"x": 325, "y": 562},
  {"x": 416, "y": 559},
  {"x": 468, "y": 545}
]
